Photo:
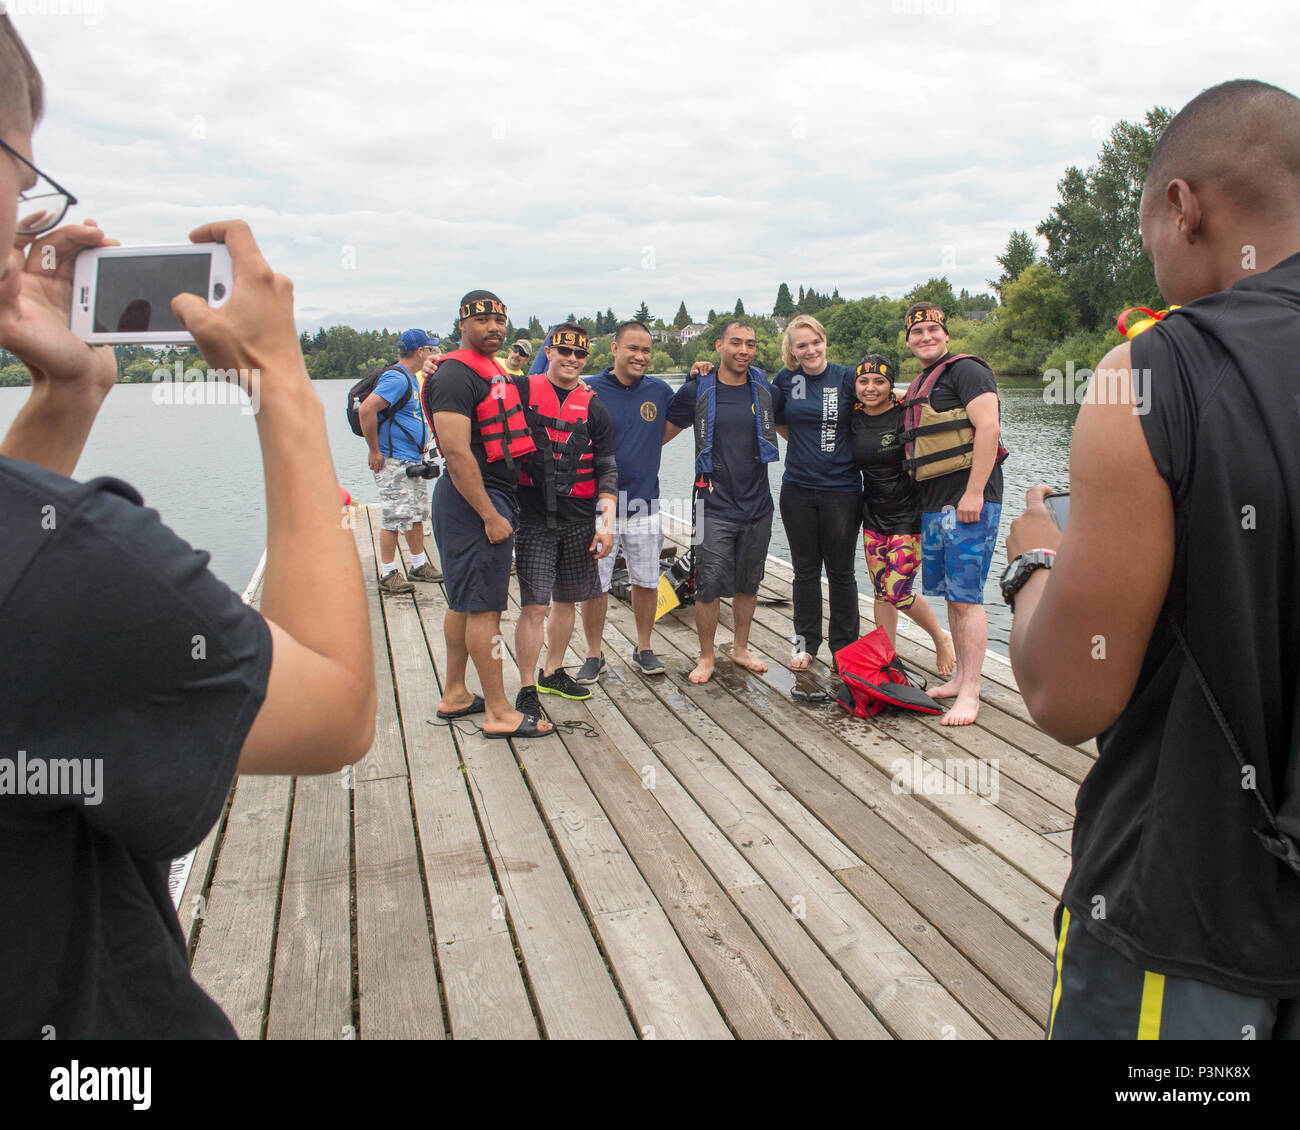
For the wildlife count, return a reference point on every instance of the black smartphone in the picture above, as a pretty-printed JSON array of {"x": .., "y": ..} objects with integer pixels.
[{"x": 1058, "y": 506}]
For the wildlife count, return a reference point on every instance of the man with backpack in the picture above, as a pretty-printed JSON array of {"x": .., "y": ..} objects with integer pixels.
[
  {"x": 951, "y": 422},
  {"x": 393, "y": 425}
]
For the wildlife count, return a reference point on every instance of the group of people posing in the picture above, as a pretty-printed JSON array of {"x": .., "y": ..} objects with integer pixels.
[{"x": 552, "y": 476}]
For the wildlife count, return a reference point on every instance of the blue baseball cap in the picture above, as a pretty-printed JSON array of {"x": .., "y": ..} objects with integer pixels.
[{"x": 411, "y": 340}]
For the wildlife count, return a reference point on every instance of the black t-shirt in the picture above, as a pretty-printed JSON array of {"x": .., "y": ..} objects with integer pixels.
[
  {"x": 956, "y": 387},
  {"x": 455, "y": 387},
  {"x": 740, "y": 485},
  {"x": 119, "y": 652},
  {"x": 889, "y": 503},
  {"x": 1164, "y": 833},
  {"x": 532, "y": 499}
]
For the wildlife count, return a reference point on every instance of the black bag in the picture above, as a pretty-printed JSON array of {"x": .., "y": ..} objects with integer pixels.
[{"x": 363, "y": 388}]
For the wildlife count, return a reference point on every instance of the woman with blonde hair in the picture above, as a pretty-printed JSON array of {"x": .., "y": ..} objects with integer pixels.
[{"x": 821, "y": 491}]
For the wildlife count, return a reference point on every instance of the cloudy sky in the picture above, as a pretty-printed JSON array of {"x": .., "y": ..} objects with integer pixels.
[{"x": 391, "y": 156}]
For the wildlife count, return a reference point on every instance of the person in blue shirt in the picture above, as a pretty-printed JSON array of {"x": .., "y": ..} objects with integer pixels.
[
  {"x": 821, "y": 490},
  {"x": 638, "y": 405},
  {"x": 735, "y": 440},
  {"x": 396, "y": 440}
]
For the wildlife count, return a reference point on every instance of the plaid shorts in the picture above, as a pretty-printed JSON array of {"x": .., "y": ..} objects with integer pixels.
[
  {"x": 403, "y": 501},
  {"x": 556, "y": 564},
  {"x": 640, "y": 539}
]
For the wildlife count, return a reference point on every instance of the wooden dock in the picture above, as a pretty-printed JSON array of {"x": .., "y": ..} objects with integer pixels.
[{"x": 680, "y": 862}]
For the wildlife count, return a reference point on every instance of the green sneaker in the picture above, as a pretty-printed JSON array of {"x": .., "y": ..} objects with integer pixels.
[
  {"x": 395, "y": 583},
  {"x": 561, "y": 684}
]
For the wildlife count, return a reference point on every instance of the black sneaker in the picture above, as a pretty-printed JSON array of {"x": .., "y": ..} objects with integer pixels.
[
  {"x": 526, "y": 702},
  {"x": 561, "y": 684},
  {"x": 647, "y": 662},
  {"x": 591, "y": 670}
]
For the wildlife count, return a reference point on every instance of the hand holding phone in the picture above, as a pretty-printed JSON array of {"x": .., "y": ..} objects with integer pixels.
[
  {"x": 1058, "y": 506},
  {"x": 123, "y": 295}
]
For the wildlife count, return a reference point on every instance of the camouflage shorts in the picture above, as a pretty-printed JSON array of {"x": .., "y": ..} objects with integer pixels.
[
  {"x": 955, "y": 556},
  {"x": 404, "y": 501}
]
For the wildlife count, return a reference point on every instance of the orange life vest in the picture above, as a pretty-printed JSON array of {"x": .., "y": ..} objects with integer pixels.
[{"x": 501, "y": 422}]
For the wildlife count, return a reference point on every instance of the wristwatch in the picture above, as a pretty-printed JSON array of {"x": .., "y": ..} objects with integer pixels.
[{"x": 1020, "y": 569}]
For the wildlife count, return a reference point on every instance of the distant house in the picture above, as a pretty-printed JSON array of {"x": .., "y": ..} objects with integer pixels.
[
  {"x": 661, "y": 335},
  {"x": 691, "y": 331},
  {"x": 975, "y": 315},
  {"x": 780, "y": 324}
]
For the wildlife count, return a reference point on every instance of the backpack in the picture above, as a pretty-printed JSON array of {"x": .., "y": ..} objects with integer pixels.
[
  {"x": 363, "y": 388},
  {"x": 873, "y": 677}
]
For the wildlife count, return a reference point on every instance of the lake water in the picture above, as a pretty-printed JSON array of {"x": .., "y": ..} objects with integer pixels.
[{"x": 200, "y": 467}]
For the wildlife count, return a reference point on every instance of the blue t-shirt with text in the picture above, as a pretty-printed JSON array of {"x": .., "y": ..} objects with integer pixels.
[{"x": 818, "y": 411}]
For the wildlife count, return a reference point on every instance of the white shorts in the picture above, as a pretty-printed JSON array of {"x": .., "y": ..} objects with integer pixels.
[{"x": 640, "y": 538}]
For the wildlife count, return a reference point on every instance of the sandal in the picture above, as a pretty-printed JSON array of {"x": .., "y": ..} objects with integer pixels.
[
  {"x": 475, "y": 707},
  {"x": 526, "y": 729}
]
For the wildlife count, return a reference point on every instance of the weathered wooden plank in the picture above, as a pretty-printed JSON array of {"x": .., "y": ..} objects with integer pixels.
[
  {"x": 1016, "y": 898},
  {"x": 233, "y": 958},
  {"x": 977, "y": 992},
  {"x": 194, "y": 897},
  {"x": 399, "y": 998},
  {"x": 311, "y": 991},
  {"x": 1061, "y": 839}
]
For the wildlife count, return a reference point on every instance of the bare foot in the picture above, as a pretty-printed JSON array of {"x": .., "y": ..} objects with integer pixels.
[
  {"x": 949, "y": 689},
  {"x": 944, "y": 656},
  {"x": 801, "y": 661},
  {"x": 745, "y": 659},
  {"x": 962, "y": 712},
  {"x": 703, "y": 671}
]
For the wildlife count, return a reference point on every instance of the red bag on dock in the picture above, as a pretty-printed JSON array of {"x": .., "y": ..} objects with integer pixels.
[{"x": 873, "y": 677}]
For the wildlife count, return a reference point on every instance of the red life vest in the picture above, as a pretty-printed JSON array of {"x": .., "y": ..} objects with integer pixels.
[
  {"x": 564, "y": 459},
  {"x": 500, "y": 415}
]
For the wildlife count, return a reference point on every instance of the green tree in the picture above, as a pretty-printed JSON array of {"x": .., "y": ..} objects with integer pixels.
[
  {"x": 739, "y": 311},
  {"x": 713, "y": 317},
  {"x": 1036, "y": 307},
  {"x": 784, "y": 305},
  {"x": 971, "y": 302},
  {"x": 661, "y": 362},
  {"x": 1021, "y": 252},
  {"x": 536, "y": 331},
  {"x": 939, "y": 291},
  {"x": 682, "y": 318},
  {"x": 1093, "y": 241},
  {"x": 643, "y": 315}
]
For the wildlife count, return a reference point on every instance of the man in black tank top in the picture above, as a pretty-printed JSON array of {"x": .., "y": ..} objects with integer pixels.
[{"x": 1178, "y": 920}]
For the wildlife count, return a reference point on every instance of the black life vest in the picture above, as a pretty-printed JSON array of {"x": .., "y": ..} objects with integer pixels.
[
  {"x": 500, "y": 415},
  {"x": 563, "y": 461}
]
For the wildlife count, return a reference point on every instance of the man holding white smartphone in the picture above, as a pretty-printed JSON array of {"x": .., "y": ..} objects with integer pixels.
[{"x": 176, "y": 684}]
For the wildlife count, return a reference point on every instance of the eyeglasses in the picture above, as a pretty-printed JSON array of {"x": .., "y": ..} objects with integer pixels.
[
  {"x": 568, "y": 351},
  {"x": 41, "y": 207}
]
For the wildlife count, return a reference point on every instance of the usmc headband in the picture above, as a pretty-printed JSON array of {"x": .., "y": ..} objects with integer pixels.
[
  {"x": 569, "y": 338},
  {"x": 883, "y": 368},
  {"x": 481, "y": 302},
  {"x": 918, "y": 316}
]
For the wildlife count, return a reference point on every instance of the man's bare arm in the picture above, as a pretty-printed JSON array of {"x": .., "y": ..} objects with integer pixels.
[{"x": 1081, "y": 630}]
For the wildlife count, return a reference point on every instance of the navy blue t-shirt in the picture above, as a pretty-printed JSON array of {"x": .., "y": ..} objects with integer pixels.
[
  {"x": 740, "y": 488},
  {"x": 639, "y": 413},
  {"x": 817, "y": 410}
]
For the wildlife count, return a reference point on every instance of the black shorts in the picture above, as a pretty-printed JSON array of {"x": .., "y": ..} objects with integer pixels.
[
  {"x": 1099, "y": 994},
  {"x": 556, "y": 564},
  {"x": 475, "y": 572},
  {"x": 730, "y": 557}
]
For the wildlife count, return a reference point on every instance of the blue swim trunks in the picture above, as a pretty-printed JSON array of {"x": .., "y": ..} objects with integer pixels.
[{"x": 955, "y": 556}]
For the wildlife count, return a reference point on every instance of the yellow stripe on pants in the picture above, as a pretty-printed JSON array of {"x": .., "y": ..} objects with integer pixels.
[
  {"x": 1060, "y": 960},
  {"x": 1153, "y": 1000}
]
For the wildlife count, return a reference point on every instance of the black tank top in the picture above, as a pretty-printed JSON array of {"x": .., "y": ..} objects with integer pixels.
[
  {"x": 1165, "y": 831},
  {"x": 889, "y": 504}
]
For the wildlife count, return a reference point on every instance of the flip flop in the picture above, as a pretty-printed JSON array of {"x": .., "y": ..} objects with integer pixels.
[
  {"x": 475, "y": 707},
  {"x": 526, "y": 729}
]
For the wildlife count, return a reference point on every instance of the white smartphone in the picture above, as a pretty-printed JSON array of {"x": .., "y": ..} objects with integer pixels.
[{"x": 122, "y": 295}]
